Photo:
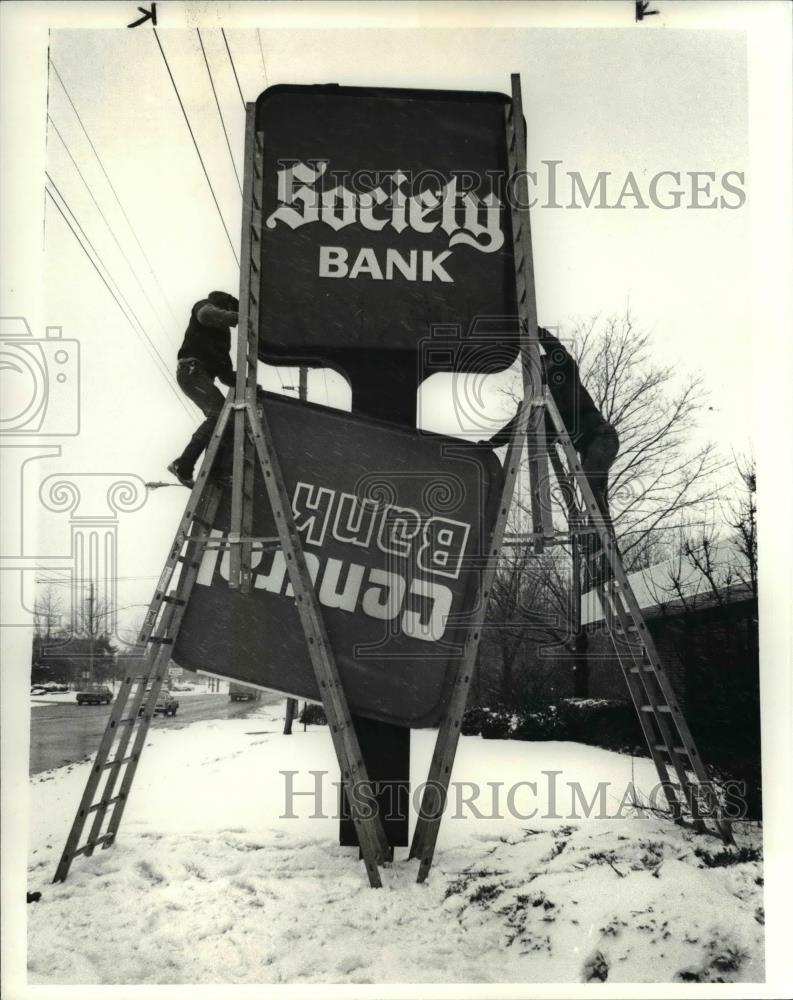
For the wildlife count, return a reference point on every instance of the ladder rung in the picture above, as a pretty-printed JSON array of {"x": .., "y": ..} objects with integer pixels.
[
  {"x": 112, "y": 763},
  {"x": 107, "y": 837},
  {"x": 192, "y": 563},
  {"x": 163, "y": 640},
  {"x": 663, "y": 746},
  {"x": 646, "y": 669},
  {"x": 656, "y": 708},
  {"x": 172, "y": 599},
  {"x": 110, "y": 802}
]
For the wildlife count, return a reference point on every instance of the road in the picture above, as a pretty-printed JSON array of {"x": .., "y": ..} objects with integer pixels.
[{"x": 65, "y": 733}]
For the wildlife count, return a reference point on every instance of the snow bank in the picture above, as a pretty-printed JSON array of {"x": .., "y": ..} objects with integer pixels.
[
  {"x": 208, "y": 884},
  {"x": 55, "y": 698}
]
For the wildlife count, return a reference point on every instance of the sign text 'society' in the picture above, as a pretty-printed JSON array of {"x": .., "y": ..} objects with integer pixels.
[{"x": 466, "y": 219}]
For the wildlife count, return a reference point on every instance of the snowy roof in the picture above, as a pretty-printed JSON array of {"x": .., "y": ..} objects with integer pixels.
[{"x": 681, "y": 582}]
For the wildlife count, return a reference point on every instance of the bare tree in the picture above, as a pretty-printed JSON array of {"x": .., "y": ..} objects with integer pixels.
[
  {"x": 48, "y": 613},
  {"x": 662, "y": 476}
]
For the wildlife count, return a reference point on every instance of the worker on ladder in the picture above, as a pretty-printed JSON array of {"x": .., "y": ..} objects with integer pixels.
[
  {"x": 203, "y": 357},
  {"x": 593, "y": 437}
]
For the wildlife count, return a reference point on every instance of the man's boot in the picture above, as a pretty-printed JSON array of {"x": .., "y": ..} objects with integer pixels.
[{"x": 183, "y": 466}]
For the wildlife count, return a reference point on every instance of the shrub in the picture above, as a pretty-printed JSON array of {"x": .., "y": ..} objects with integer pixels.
[{"x": 313, "y": 715}]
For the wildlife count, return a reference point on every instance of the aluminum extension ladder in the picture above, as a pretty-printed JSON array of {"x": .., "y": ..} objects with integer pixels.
[
  {"x": 681, "y": 771},
  {"x": 252, "y": 445},
  {"x": 529, "y": 426},
  {"x": 661, "y": 718}
]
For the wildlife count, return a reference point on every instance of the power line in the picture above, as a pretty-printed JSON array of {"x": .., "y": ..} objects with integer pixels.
[
  {"x": 104, "y": 217},
  {"x": 233, "y": 67},
  {"x": 165, "y": 368},
  {"x": 107, "y": 286},
  {"x": 112, "y": 188},
  {"x": 106, "y": 268},
  {"x": 261, "y": 53},
  {"x": 195, "y": 144},
  {"x": 217, "y": 105}
]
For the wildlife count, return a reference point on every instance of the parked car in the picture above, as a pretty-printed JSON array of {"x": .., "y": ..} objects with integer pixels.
[
  {"x": 242, "y": 692},
  {"x": 38, "y": 689},
  {"x": 97, "y": 694},
  {"x": 166, "y": 704}
]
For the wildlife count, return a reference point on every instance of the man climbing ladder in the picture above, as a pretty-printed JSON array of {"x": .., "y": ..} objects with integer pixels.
[{"x": 203, "y": 357}]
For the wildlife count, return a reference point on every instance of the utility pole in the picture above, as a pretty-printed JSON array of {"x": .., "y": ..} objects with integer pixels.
[
  {"x": 291, "y": 703},
  {"x": 91, "y": 631}
]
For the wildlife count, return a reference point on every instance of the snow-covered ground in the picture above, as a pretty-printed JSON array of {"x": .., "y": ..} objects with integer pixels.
[{"x": 208, "y": 884}]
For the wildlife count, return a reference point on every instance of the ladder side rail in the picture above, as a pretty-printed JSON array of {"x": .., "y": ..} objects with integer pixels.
[
  {"x": 152, "y": 693},
  {"x": 369, "y": 829},
  {"x": 94, "y": 778},
  {"x": 247, "y": 317},
  {"x": 683, "y": 757},
  {"x": 427, "y": 827},
  {"x": 253, "y": 254},
  {"x": 134, "y": 718},
  {"x": 637, "y": 683},
  {"x": 160, "y": 658},
  {"x": 643, "y": 694},
  {"x": 625, "y": 593},
  {"x": 621, "y": 583},
  {"x": 428, "y": 823},
  {"x": 567, "y": 485},
  {"x": 113, "y": 773},
  {"x": 193, "y": 510},
  {"x": 527, "y": 310}
]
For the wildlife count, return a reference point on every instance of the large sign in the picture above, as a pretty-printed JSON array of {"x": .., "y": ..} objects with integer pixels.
[
  {"x": 394, "y": 556},
  {"x": 384, "y": 215}
]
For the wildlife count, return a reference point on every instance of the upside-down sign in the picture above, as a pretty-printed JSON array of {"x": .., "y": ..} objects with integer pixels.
[{"x": 392, "y": 525}]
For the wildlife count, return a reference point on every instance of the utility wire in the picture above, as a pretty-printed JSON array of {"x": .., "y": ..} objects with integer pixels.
[
  {"x": 195, "y": 144},
  {"x": 233, "y": 67},
  {"x": 104, "y": 282},
  {"x": 102, "y": 214},
  {"x": 112, "y": 188},
  {"x": 104, "y": 266},
  {"x": 217, "y": 105},
  {"x": 261, "y": 53},
  {"x": 165, "y": 367}
]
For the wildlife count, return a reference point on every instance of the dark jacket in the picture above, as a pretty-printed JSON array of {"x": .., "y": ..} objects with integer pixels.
[
  {"x": 208, "y": 340},
  {"x": 577, "y": 409}
]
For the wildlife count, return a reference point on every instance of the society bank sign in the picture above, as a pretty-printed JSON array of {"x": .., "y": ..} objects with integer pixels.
[
  {"x": 384, "y": 214},
  {"x": 465, "y": 219}
]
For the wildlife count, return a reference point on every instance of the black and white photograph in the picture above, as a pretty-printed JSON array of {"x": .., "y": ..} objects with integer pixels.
[{"x": 395, "y": 408}]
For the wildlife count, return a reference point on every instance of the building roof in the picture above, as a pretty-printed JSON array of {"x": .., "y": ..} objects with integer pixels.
[{"x": 680, "y": 584}]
